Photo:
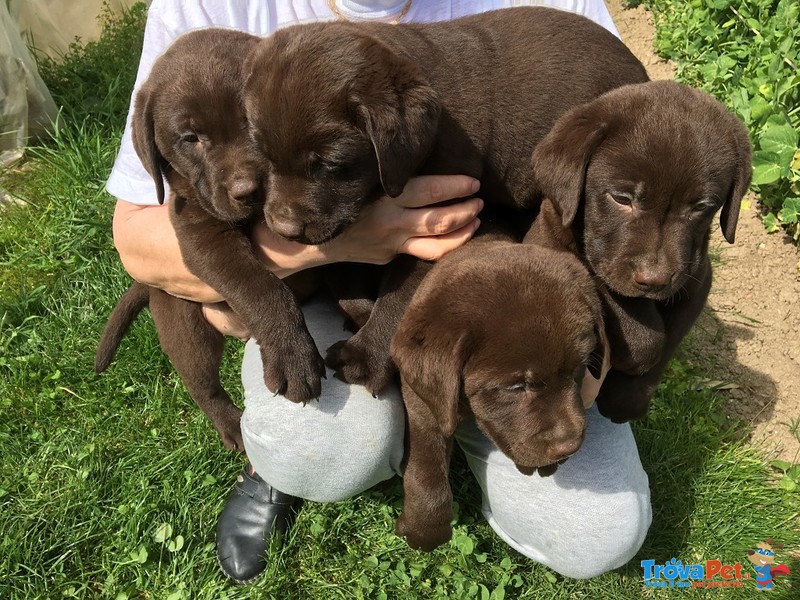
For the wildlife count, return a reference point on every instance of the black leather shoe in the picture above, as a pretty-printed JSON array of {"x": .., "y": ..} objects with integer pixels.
[{"x": 253, "y": 512}]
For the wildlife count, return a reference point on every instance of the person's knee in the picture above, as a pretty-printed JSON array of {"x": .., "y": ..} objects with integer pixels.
[
  {"x": 588, "y": 518},
  {"x": 586, "y": 541},
  {"x": 331, "y": 448},
  {"x": 324, "y": 457},
  {"x": 610, "y": 539}
]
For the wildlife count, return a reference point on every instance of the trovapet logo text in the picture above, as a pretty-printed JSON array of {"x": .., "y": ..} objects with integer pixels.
[{"x": 675, "y": 574}]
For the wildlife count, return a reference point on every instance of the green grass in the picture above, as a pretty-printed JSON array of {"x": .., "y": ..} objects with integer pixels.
[{"x": 110, "y": 486}]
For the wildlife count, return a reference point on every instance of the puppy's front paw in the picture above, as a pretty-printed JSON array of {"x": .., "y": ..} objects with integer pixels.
[
  {"x": 293, "y": 367},
  {"x": 423, "y": 536},
  {"x": 621, "y": 412},
  {"x": 624, "y": 398},
  {"x": 227, "y": 424},
  {"x": 636, "y": 359},
  {"x": 358, "y": 361}
]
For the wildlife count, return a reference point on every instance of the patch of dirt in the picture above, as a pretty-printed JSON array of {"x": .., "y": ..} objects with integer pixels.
[{"x": 748, "y": 337}]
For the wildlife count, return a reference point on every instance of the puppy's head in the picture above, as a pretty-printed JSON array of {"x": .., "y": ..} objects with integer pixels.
[
  {"x": 643, "y": 170},
  {"x": 507, "y": 334},
  {"x": 189, "y": 120},
  {"x": 341, "y": 119}
]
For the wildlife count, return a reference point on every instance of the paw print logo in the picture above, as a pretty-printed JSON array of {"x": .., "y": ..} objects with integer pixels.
[{"x": 763, "y": 558}]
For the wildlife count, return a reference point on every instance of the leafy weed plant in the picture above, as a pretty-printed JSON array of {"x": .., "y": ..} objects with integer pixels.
[{"x": 110, "y": 486}]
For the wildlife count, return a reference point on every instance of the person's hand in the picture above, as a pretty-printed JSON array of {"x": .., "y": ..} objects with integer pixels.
[
  {"x": 409, "y": 225},
  {"x": 403, "y": 225},
  {"x": 224, "y": 320}
]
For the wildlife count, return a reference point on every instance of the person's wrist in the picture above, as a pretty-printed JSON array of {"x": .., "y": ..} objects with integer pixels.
[
  {"x": 284, "y": 257},
  {"x": 342, "y": 249}
]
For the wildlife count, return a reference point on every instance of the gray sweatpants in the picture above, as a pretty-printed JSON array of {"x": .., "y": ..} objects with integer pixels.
[{"x": 588, "y": 518}]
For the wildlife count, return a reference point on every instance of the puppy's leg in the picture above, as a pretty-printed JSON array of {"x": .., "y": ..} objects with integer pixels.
[
  {"x": 195, "y": 349},
  {"x": 626, "y": 397},
  {"x": 365, "y": 358},
  {"x": 428, "y": 499},
  {"x": 635, "y": 331},
  {"x": 354, "y": 286},
  {"x": 221, "y": 255},
  {"x": 304, "y": 284}
]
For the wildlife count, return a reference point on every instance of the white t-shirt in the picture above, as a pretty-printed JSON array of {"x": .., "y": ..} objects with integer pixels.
[{"x": 167, "y": 19}]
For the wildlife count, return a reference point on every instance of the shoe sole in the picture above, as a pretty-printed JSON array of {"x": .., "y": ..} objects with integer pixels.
[{"x": 233, "y": 579}]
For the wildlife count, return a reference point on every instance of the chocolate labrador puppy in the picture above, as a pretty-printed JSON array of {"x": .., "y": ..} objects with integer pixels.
[
  {"x": 636, "y": 178},
  {"x": 189, "y": 126},
  {"x": 502, "y": 332},
  {"x": 347, "y": 112}
]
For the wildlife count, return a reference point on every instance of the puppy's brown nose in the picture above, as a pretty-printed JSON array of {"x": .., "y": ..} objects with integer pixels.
[
  {"x": 564, "y": 449},
  {"x": 242, "y": 188},
  {"x": 654, "y": 279}
]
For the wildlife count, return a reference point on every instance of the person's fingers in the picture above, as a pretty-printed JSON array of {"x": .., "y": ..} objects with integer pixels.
[
  {"x": 431, "y": 189},
  {"x": 433, "y": 248},
  {"x": 439, "y": 220},
  {"x": 224, "y": 320},
  {"x": 388, "y": 227}
]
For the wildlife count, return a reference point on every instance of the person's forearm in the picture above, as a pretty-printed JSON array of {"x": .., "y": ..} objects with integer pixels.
[{"x": 149, "y": 250}]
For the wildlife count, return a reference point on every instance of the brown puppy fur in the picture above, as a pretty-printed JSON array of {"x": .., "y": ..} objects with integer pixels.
[
  {"x": 636, "y": 178},
  {"x": 189, "y": 125},
  {"x": 347, "y": 112},
  {"x": 510, "y": 349}
]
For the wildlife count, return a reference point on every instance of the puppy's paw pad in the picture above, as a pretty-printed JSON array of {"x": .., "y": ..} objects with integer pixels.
[
  {"x": 333, "y": 358},
  {"x": 294, "y": 371},
  {"x": 350, "y": 361},
  {"x": 355, "y": 363}
]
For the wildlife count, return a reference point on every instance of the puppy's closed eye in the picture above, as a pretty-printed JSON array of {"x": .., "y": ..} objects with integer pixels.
[
  {"x": 189, "y": 137},
  {"x": 706, "y": 205},
  {"x": 323, "y": 169},
  {"x": 621, "y": 198}
]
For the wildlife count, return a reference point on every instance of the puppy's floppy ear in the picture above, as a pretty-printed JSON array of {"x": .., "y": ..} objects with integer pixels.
[
  {"x": 431, "y": 362},
  {"x": 395, "y": 106},
  {"x": 599, "y": 362},
  {"x": 600, "y": 358},
  {"x": 560, "y": 160},
  {"x": 143, "y": 132},
  {"x": 729, "y": 216}
]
